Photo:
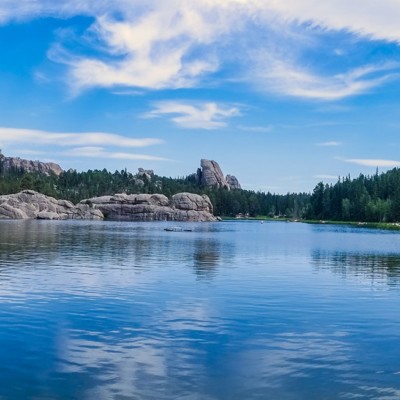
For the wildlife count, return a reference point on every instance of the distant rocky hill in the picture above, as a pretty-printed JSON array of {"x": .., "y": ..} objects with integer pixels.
[
  {"x": 210, "y": 175},
  {"x": 16, "y": 163}
]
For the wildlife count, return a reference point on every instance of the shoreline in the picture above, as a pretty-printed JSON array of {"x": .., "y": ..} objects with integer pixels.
[{"x": 392, "y": 226}]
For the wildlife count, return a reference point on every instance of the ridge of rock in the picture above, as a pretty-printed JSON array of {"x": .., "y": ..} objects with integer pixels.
[
  {"x": 29, "y": 204},
  {"x": 10, "y": 163}
]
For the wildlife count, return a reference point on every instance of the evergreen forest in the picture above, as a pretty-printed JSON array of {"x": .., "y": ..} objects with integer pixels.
[{"x": 373, "y": 198}]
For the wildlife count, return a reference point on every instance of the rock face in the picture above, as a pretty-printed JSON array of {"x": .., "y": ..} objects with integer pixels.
[
  {"x": 233, "y": 182},
  {"x": 153, "y": 207},
  {"x": 10, "y": 163},
  {"x": 146, "y": 174},
  {"x": 29, "y": 204},
  {"x": 211, "y": 175}
]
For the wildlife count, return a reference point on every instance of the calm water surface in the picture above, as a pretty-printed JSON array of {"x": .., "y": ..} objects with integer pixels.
[{"x": 232, "y": 310}]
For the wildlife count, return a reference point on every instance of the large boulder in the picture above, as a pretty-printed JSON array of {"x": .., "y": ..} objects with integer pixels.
[{"x": 29, "y": 204}]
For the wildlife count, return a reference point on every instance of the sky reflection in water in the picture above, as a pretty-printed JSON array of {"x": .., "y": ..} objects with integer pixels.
[{"x": 235, "y": 310}]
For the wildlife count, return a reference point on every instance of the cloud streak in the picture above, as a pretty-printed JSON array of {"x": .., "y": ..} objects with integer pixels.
[
  {"x": 325, "y": 176},
  {"x": 15, "y": 135},
  {"x": 331, "y": 143},
  {"x": 374, "y": 162},
  {"x": 194, "y": 116},
  {"x": 100, "y": 152},
  {"x": 284, "y": 77}
]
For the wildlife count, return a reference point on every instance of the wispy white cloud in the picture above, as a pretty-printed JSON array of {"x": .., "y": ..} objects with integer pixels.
[
  {"x": 158, "y": 44},
  {"x": 266, "y": 128},
  {"x": 369, "y": 18},
  {"x": 15, "y": 135},
  {"x": 150, "y": 49},
  {"x": 325, "y": 176},
  {"x": 373, "y": 162},
  {"x": 194, "y": 116},
  {"x": 331, "y": 143},
  {"x": 287, "y": 77},
  {"x": 100, "y": 152}
]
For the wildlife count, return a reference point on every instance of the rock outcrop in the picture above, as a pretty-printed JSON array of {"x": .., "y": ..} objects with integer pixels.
[
  {"x": 233, "y": 182},
  {"x": 16, "y": 163},
  {"x": 211, "y": 175},
  {"x": 29, "y": 204},
  {"x": 153, "y": 207},
  {"x": 145, "y": 174}
]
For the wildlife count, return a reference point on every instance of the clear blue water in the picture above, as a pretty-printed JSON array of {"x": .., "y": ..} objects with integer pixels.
[{"x": 232, "y": 310}]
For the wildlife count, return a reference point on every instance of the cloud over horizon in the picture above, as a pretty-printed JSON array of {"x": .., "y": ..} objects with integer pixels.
[
  {"x": 366, "y": 162},
  {"x": 158, "y": 45}
]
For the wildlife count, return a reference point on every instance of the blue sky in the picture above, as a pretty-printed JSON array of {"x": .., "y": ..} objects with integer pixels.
[{"x": 281, "y": 94}]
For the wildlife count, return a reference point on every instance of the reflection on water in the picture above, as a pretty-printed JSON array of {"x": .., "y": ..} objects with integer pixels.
[
  {"x": 206, "y": 257},
  {"x": 235, "y": 310},
  {"x": 373, "y": 267}
]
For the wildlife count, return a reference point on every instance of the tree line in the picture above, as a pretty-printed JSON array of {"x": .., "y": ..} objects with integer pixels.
[
  {"x": 373, "y": 198},
  {"x": 76, "y": 186}
]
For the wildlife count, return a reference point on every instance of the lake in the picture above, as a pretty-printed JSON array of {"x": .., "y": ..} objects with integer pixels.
[{"x": 232, "y": 310}]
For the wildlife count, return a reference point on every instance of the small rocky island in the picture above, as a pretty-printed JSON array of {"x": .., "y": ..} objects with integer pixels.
[{"x": 29, "y": 204}]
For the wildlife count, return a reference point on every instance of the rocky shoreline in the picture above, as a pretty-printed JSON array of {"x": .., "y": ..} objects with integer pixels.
[{"x": 29, "y": 204}]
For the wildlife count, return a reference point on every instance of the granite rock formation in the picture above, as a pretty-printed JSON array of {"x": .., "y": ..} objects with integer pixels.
[
  {"x": 145, "y": 174},
  {"x": 29, "y": 204},
  {"x": 233, "y": 182},
  {"x": 153, "y": 207},
  {"x": 10, "y": 163},
  {"x": 211, "y": 175}
]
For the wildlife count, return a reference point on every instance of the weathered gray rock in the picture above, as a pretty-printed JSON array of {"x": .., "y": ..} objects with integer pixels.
[
  {"x": 29, "y": 204},
  {"x": 16, "y": 163},
  {"x": 211, "y": 175},
  {"x": 158, "y": 185},
  {"x": 233, "y": 182},
  {"x": 145, "y": 174},
  {"x": 153, "y": 207}
]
